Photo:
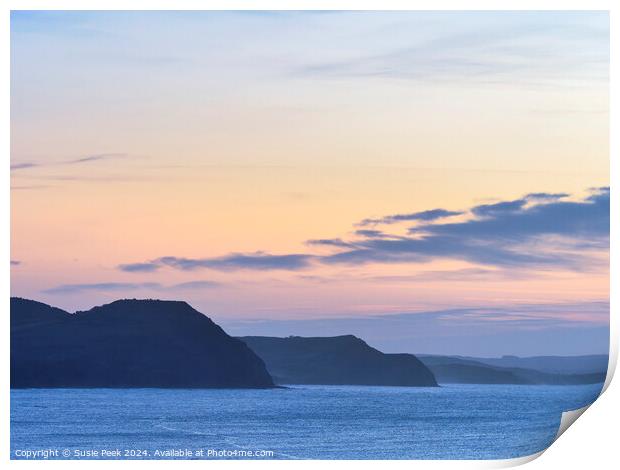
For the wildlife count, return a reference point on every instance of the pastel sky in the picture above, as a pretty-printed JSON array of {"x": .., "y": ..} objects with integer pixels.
[{"x": 431, "y": 181}]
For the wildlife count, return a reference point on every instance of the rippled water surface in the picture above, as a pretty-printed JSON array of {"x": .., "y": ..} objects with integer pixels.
[{"x": 300, "y": 422}]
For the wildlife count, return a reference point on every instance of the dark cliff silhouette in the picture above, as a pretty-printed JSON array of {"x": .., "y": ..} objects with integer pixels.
[
  {"x": 449, "y": 369},
  {"x": 587, "y": 364},
  {"x": 127, "y": 343},
  {"x": 339, "y": 360}
]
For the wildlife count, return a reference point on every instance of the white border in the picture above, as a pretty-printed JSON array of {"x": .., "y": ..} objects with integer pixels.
[{"x": 592, "y": 442}]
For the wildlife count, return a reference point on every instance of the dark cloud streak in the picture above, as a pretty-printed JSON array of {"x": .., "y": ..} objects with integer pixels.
[
  {"x": 255, "y": 261},
  {"x": 541, "y": 231},
  {"x": 334, "y": 242},
  {"x": 85, "y": 159},
  {"x": 424, "y": 216},
  {"x": 129, "y": 286},
  {"x": 147, "y": 267}
]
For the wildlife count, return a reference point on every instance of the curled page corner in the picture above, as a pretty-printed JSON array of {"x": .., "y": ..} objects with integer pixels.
[
  {"x": 515, "y": 462},
  {"x": 568, "y": 418},
  {"x": 611, "y": 369},
  {"x": 566, "y": 421}
]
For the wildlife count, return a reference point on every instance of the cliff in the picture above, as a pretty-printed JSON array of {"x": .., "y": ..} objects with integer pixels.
[
  {"x": 339, "y": 360},
  {"x": 127, "y": 343}
]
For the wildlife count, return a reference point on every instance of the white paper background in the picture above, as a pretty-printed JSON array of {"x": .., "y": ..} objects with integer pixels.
[{"x": 591, "y": 443}]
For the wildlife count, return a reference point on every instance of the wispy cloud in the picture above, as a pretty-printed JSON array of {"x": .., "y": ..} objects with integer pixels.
[
  {"x": 147, "y": 267},
  {"x": 370, "y": 233},
  {"x": 195, "y": 285},
  {"x": 458, "y": 275},
  {"x": 546, "y": 196},
  {"x": 517, "y": 220},
  {"x": 499, "y": 208},
  {"x": 73, "y": 161},
  {"x": 15, "y": 262},
  {"x": 27, "y": 187},
  {"x": 94, "y": 158},
  {"x": 128, "y": 286},
  {"x": 522, "y": 329},
  {"x": 254, "y": 261},
  {"x": 101, "y": 286},
  {"x": 334, "y": 242},
  {"x": 527, "y": 52},
  {"x": 257, "y": 261},
  {"x": 541, "y": 231},
  {"x": 474, "y": 275},
  {"x": 426, "y": 216},
  {"x": 23, "y": 165}
]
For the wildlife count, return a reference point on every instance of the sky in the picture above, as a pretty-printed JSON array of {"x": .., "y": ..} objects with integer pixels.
[{"x": 434, "y": 182}]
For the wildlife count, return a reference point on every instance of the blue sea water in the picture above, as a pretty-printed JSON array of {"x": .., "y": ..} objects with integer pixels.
[{"x": 300, "y": 422}]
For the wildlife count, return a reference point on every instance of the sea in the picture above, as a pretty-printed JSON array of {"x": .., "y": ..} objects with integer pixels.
[{"x": 296, "y": 422}]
